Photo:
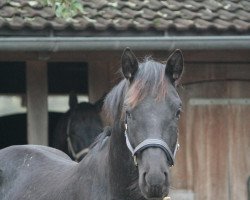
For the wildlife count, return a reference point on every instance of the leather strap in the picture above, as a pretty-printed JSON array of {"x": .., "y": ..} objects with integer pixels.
[{"x": 152, "y": 142}]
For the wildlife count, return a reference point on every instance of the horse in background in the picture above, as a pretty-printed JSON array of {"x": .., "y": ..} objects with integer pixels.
[
  {"x": 72, "y": 132},
  {"x": 77, "y": 128}
]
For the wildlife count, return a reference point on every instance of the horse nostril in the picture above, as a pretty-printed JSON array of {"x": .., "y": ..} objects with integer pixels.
[
  {"x": 144, "y": 178},
  {"x": 166, "y": 175},
  {"x": 144, "y": 175}
]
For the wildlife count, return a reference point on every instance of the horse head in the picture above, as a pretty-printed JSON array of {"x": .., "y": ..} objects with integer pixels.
[
  {"x": 151, "y": 111},
  {"x": 84, "y": 124}
]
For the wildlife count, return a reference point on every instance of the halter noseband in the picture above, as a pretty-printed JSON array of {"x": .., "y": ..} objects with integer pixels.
[
  {"x": 158, "y": 143},
  {"x": 71, "y": 150}
]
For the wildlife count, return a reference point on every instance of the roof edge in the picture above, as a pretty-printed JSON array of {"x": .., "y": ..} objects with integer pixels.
[{"x": 55, "y": 44}]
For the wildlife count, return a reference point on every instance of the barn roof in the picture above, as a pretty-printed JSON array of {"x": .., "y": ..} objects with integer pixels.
[
  {"x": 171, "y": 16},
  {"x": 134, "y": 18}
]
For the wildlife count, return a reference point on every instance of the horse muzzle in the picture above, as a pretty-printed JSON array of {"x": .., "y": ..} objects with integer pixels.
[
  {"x": 154, "y": 186},
  {"x": 153, "y": 174}
]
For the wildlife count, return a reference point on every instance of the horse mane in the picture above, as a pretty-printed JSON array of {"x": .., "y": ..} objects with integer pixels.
[
  {"x": 149, "y": 79},
  {"x": 101, "y": 137},
  {"x": 114, "y": 100}
]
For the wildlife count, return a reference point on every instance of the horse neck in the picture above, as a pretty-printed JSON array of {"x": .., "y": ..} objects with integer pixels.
[
  {"x": 123, "y": 173},
  {"x": 118, "y": 147}
]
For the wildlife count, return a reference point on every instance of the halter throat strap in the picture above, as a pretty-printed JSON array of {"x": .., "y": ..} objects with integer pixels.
[{"x": 148, "y": 143}]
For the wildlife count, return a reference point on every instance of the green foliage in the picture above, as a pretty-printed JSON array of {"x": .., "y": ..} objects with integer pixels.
[{"x": 65, "y": 8}]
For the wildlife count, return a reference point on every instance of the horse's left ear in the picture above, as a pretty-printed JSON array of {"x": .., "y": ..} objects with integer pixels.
[
  {"x": 129, "y": 64},
  {"x": 174, "y": 66}
]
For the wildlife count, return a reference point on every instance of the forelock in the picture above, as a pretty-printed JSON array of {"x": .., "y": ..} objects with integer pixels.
[{"x": 149, "y": 80}]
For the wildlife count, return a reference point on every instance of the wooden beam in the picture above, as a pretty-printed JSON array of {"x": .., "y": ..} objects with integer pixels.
[
  {"x": 98, "y": 79},
  {"x": 37, "y": 106},
  {"x": 229, "y": 56}
]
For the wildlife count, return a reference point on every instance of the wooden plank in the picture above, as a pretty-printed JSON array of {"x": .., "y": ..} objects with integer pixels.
[
  {"x": 37, "y": 90},
  {"x": 207, "y": 72},
  {"x": 219, "y": 56},
  {"x": 239, "y": 140},
  {"x": 208, "y": 150},
  {"x": 239, "y": 153},
  {"x": 217, "y": 149},
  {"x": 220, "y": 101}
]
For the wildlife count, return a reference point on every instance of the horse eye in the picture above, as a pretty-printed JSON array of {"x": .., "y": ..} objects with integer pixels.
[
  {"x": 128, "y": 114},
  {"x": 178, "y": 114}
]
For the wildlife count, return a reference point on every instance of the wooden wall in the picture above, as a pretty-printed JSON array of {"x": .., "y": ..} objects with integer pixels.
[{"x": 214, "y": 161}]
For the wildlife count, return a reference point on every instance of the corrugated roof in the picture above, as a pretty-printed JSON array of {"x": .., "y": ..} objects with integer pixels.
[{"x": 166, "y": 16}]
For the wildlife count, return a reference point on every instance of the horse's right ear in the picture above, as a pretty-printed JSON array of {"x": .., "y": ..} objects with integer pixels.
[
  {"x": 72, "y": 100},
  {"x": 129, "y": 64},
  {"x": 174, "y": 67}
]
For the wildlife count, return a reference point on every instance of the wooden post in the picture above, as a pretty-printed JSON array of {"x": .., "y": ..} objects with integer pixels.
[{"x": 37, "y": 106}]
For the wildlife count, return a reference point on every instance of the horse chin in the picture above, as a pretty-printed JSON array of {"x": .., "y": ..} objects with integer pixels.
[
  {"x": 149, "y": 196},
  {"x": 156, "y": 192}
]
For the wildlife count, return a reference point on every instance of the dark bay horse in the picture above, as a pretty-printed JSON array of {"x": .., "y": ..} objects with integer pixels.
[
  {"x": 77, "y": 128},
  {"x": 128, "y": 161}
]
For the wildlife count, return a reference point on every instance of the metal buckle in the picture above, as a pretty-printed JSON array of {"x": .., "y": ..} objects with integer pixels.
[{"x": 135, "y": 160}]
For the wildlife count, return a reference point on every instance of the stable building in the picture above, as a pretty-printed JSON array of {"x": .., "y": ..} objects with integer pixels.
[{"x": 42, "y": 55}]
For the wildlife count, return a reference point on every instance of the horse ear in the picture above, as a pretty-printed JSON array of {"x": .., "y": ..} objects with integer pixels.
[
  {"x": 72, "y": 100},
  {"x": 129, "y": 64},
  {"x": 174, "y": 66}
]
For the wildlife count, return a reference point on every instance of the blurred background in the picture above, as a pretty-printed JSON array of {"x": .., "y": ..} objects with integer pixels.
[{"x": 50, "y": 48}]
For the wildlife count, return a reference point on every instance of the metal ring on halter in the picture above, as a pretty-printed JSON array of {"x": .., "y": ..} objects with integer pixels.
[{"x": 151, "y": 143}]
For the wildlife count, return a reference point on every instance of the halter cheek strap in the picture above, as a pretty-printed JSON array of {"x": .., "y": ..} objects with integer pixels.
[
  {"x": 151, "y": 143},
  {"x": 75, "y": 155}
]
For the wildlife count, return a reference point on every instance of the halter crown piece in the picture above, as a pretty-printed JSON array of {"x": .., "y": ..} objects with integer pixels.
[{"x": 157, "y": 143}]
